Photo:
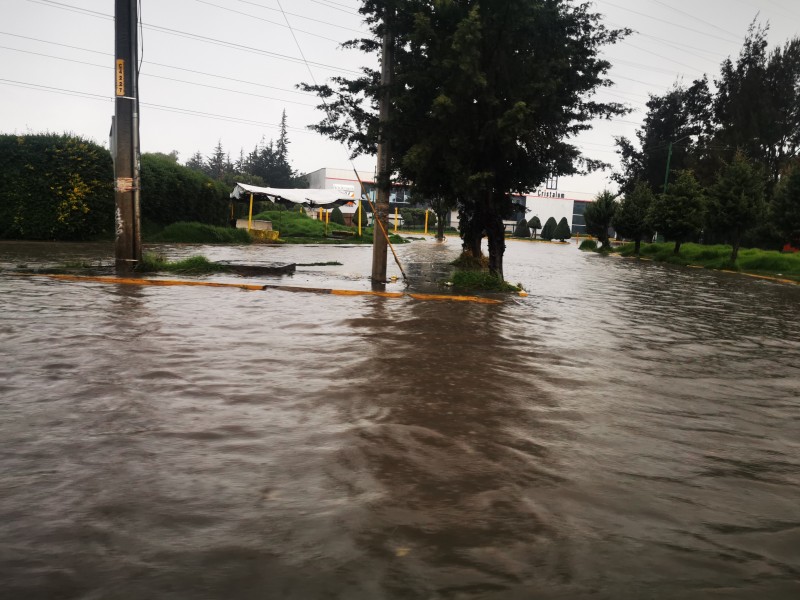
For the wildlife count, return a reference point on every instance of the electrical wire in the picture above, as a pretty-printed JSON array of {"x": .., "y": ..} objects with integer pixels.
[
  {"x": 173, "y": 79},
  {"x": 166, "y": 66},
  {"x": 636, "y": 12},
  {"x": 194, "y": 36},
  {"x": 176, "y": 109}
]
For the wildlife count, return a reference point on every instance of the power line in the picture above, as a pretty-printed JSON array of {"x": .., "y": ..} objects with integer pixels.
[
  {"x": 636, "y": 12},
  {"x": 252, "y": 16},
  {"x": 328, "y": 23},
  {"x": 194, "y": 36},
  {"x": 287, "y": 90},
  {"x": 696, "y": 18},
  {"x": 162, "y": 107}
]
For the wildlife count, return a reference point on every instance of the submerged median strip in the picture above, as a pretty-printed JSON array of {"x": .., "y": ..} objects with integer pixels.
[{"x": 259, "y": 287}]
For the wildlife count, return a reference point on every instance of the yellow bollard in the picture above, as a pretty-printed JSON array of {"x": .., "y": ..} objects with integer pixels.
[
  {"x": 426, "y": 222},
  {"x": 395, "y": 219},
  {"x": 359, "y": 207},
  {"x": 250, "y": 215},
  {"x": 320, "y": 214}
]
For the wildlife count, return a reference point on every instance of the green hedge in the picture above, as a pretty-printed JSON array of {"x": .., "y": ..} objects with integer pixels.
[
  {"x": 55, "y": 187},
  {"x": 173, "y": 193},
  {"x": 60, "y": 187}
]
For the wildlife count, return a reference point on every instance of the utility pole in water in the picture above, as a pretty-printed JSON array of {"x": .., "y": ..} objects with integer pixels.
[
  {"x": 379, "y": 241},
  {"x": 125, "y": 136}
]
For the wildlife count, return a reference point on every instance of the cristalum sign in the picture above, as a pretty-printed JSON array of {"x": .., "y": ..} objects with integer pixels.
[{"x": 120, "y": 77}]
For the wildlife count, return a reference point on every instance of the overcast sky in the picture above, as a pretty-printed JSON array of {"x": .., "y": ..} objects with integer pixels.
[{"x": 225, "y": 69}]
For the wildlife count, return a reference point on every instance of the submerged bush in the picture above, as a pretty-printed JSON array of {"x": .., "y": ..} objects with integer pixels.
[{"x": 590, "y": 245}]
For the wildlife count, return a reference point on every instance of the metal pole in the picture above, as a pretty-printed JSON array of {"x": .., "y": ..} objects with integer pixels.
[
  {"x": 128, "y": 245},
  {"x": 666, "y": 175},
  {"x": 379, "y": 242}
]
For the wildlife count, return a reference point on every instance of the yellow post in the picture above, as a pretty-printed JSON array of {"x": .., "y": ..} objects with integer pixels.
[
  {"x": 327, "y": 217},
  {"x": 250, "y": 214},
  {"x": 426, "y": 221},
  {"x": 395, "y": 219},
  {"x": 359, "y": 208},
  {"x": 320, "y": 214}
]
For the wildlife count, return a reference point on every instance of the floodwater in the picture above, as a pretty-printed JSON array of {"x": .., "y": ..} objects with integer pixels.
[{"x": 627, "y": 431}]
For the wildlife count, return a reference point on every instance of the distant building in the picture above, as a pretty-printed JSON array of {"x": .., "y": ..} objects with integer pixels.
[{"x": 544, "y": 203}]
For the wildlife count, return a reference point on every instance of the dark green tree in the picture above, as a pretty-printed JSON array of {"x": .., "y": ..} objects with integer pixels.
[
  {"x": 736, "y": 200},
  {"x": 562, "y": 231},
  {"x": 681, "y": 116},
  {"x": 599, "y": 215},
  {"x": 216, "y": 164},
  {"x": 535, "y": 224},
  {"x": 785, "y": 207},
  {"x": 756, "y": 105},
  {"x": 197, "y": 163},
  {"x": 630, "y": 220},
  {"x": 522, "y": 230},
  {"x": 679, "y": 214},
  {"x": 487, "y": 96},
  {"x": 549, "y": 229}
]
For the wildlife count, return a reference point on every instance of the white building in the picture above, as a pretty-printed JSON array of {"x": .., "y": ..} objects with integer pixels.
[{"x": 545, "y": 203}]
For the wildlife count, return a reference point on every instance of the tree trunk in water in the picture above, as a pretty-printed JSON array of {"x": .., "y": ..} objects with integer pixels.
[
  {"x": 497, "y": 245},
  {"x": 638, "y": 245},
  {"x": 735, "y": 254},
  {"x": 440, "y": 226},
  {"x": 677, "y": 247}
]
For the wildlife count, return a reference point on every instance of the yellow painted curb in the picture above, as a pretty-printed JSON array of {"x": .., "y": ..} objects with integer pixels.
[
  {"x": 156, "y": 282},
  {"x": 263, "y": 287},
  {"x": 446, "y": 298}
]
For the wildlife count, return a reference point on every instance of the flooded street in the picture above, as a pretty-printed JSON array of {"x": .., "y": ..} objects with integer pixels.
[{"x": 628, "y": 431}]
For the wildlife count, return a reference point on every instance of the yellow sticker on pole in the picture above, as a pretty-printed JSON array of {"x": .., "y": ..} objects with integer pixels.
[{"x": 120, "y": 77}]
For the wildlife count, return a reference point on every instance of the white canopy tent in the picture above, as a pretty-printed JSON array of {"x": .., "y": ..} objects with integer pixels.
[{"x": 309, "y": 197}]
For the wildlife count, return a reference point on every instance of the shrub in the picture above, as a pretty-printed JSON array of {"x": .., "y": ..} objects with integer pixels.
[
  {"x": 562, "y": 231},
  {"x": 522, "y": 230},
  {"x": 549, "y": 229},
  {"x": 590, "y": 245},
  {"x": 337, "y": 216}
]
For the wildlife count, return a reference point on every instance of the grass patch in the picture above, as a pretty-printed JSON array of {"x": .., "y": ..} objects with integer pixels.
[
  {"x": 298, "y": 228},
  {"x": 195, "y": 265},
  {"x": 750, "y": 260},
  {"x": 330, "y": 263},
  {"x": 588, "y": 245},
  {"x": 482, "y": 281},
  {"x": 200, "y": 233},
  {"x": 467, "y": 262}
]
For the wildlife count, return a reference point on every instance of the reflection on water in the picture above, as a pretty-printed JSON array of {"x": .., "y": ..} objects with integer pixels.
[{"x": 627, "y": 431}]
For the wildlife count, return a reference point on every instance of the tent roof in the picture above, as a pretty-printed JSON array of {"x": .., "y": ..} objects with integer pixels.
[{"x": 314, "y": 197}]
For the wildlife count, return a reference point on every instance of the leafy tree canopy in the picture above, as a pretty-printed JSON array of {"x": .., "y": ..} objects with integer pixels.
[
  {"x": 679, "y": 214},
  {"x": 486, "y": 98},
  {"x": 599, "y": 216}
]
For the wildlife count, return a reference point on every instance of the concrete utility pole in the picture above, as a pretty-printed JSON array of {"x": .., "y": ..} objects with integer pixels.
[
  {"x": 384, "y": 169},
  {"x": 128, "y": 249}
]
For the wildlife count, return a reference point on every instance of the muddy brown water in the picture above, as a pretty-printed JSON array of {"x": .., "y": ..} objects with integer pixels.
[{"x": 629, "y": 430}]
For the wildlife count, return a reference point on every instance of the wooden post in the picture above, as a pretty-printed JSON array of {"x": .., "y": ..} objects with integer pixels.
[
  {"x": 426, "y": 221},
  {"x": 359, "y": 208},
  {"x": 395, "y": 219},
  {"x": 379, "y": 242},
  {"x": 250, "y": 214},
  {"x": 128, "y": 244}
]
